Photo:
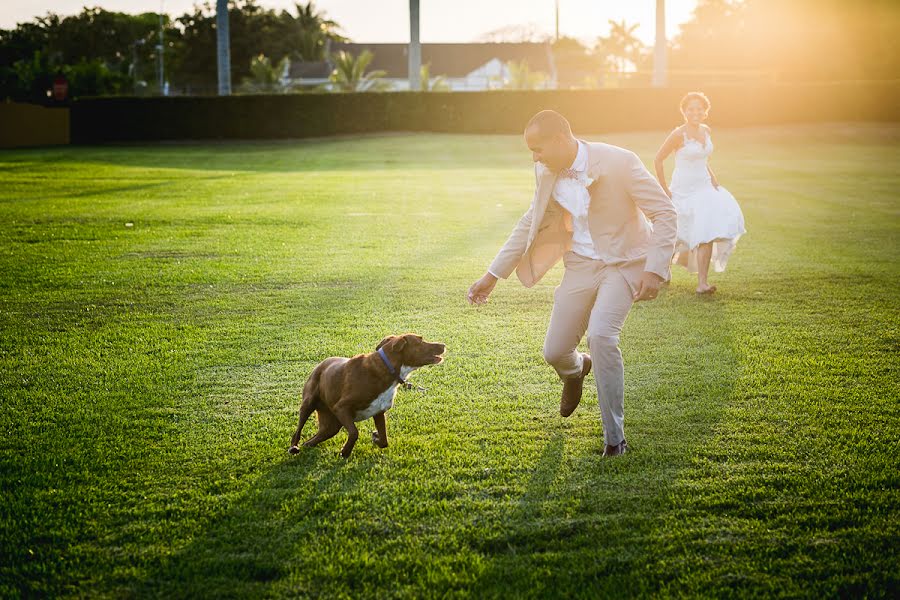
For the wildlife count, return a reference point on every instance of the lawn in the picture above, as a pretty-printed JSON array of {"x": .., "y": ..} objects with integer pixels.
[{"x": 162, "y": 305}]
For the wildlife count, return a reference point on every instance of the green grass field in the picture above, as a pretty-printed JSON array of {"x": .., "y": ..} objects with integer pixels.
[{"x": 150, "y": 377}]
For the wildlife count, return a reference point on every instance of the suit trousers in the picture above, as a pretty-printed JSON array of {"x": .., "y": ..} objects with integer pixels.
[{"x": 593, "y": 297}]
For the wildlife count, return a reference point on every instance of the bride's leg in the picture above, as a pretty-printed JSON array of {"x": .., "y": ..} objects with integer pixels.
[{"x": 704, "y": 254}]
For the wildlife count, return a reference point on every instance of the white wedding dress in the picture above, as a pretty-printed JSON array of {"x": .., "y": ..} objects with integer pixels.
[{"x": 705, "y": 214}]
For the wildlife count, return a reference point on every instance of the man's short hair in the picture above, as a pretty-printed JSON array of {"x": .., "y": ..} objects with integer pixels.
[{"x": 550, "y": 123}]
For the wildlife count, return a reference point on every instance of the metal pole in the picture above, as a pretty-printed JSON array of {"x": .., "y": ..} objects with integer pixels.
[
  {"x": 659, "y": 53},
  {"x": 134, "y": 66},
  {"x": 223, "y": 53},
  {"x": 557, "y": 20},
  {"x": 160, "y": 76},
  {"x": 415, "y": 48}
]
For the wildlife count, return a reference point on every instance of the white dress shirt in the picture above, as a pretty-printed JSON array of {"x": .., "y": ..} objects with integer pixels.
[{"x": 573, "y": 195}]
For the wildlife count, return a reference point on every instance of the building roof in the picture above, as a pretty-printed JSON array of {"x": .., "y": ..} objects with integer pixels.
[
  {"x": 309, "y": 70},
  {"x": 449, "y": 60}
]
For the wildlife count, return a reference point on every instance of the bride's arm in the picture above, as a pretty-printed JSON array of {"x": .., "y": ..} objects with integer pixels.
[
  {"x": 669, "y": 146},
  {"x": 712, "y": 176}
]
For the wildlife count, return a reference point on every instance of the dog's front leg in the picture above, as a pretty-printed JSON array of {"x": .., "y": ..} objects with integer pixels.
[
  {"x": 346, "y": 420},
  {"x": 379, "y": 436}
]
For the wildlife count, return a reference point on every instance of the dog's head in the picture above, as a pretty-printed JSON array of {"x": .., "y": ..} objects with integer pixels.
[{"x": 411, "y": 350}]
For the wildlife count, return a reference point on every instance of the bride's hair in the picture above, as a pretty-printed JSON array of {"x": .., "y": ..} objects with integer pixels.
[{"x": 695, "y": 96}]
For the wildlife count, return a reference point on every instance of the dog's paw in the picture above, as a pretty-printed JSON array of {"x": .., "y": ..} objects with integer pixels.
[
  {"x": 376, "y": 439},
  {"x": 294, "y": 450}
]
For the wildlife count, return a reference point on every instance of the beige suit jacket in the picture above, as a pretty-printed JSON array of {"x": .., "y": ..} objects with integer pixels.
[{"x": 631, "y": 220}]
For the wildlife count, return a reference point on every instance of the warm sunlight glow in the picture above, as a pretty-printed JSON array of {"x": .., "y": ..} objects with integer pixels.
[{"x": 441, "y": 20}]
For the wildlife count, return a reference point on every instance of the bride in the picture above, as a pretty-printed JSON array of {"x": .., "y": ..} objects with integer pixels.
[{"x": 709, "y": 218}]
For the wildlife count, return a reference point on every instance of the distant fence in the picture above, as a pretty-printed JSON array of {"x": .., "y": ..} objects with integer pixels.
[
  {"x": 32, "y": 125},
  {"x": 99, "y": 120}
]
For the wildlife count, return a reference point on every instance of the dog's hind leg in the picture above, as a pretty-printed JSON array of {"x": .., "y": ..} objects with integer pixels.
[
  {"x": 328, "y": 428},
  {"x": 346, "y": 418},
  {"x": 310, "y": 401}
]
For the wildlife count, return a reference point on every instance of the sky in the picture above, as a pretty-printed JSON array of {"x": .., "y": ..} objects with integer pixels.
[{"x": 440, "y": 20}]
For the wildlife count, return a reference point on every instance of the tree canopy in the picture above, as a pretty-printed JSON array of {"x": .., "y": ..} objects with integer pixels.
[{"x": 104, "y": 52}]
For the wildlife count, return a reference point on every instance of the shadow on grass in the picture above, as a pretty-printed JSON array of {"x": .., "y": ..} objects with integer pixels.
[
  {"x": 581, "y": 526},
  {"x": 381, "y": 152},
  {"x": 576, "y": 523},
  {"x": 253, "y": 543},
  {"x": 585, "y": 525}
]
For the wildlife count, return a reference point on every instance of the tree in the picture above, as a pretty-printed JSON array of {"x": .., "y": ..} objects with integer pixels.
[
  {"x": 100, "y": 52},
  {"x": 254, "y": 31},
  {"x": 576, "y": 65},
  {"x": 265, "y": 77},
  {"x": 515, "y": 34},
  {"x": 427, "y": 83},
  {"x": 313, "y": 31},
  {"x": 349, "y": 73},
  {"x": 622, "y": 46},
  {"x": 521, "y": 77},
  {"x": 797, "y": 40}
]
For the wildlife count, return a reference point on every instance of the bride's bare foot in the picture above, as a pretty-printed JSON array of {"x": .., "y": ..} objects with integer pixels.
[{"x": 706, "y": 289}]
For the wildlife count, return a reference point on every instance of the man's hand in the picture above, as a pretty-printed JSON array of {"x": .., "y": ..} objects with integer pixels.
[
  {"x": 481, "y": 289},
  {"x": 648, "y": 288}
]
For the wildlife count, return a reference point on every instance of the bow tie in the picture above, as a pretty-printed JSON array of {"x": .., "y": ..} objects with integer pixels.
[{"x": 569, "y": 174}]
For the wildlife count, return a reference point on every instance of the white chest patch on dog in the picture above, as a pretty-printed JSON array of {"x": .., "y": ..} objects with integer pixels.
[{"x": 384, "y": 400}]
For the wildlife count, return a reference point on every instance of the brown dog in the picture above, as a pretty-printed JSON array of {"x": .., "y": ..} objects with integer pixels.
[{"x": 344, "y": 391}]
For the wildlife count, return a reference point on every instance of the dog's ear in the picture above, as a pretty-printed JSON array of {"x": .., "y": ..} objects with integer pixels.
[{"x": 383, "y": 342}]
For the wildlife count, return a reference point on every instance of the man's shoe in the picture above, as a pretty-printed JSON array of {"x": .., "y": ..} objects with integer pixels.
[
  {"x": 616, "y": 450},
  {"x": 572, "y": 388}
]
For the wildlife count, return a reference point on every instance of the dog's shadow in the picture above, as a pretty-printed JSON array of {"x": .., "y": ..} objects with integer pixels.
[{"x": 247, "y": 546}]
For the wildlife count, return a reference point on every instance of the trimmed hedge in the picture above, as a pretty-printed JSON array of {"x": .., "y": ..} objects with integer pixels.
[{"x": 96, "y": 120}]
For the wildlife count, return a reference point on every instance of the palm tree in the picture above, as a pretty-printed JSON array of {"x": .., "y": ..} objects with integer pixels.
[
  {"x": 521, "y": 77},
  {"x": 314, "y": 30},
  {"x": 429, "y": 84},
  {"x": 263, "y": 76},
  {"x": 622, "y": 44},
  {"x": 349, "y": 73}
]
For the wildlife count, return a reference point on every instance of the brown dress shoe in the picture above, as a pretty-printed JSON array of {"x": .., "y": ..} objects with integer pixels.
[
  {"x": 572, "y": 388},
  {"x": 616, "y": 450}
]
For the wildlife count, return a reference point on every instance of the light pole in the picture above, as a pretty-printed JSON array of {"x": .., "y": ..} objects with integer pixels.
[
  {"x": 160, "y": 48},
  {"x": 223, "y": 50},
  {"x": 557, "y": 20},
  {"x": 415, "y": 48},
  {"x": 134, "y": 64},
  {"x": 659, "y": 52}
]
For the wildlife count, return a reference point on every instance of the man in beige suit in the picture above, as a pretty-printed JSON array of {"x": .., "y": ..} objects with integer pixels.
[{"x": 591, "y": 208}]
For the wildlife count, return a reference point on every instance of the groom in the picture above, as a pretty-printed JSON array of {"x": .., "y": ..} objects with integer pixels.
[{"x": 590, "y": 208}]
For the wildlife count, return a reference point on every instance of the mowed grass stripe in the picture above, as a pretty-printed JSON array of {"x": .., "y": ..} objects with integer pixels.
[{"x": 151, "y": 374}]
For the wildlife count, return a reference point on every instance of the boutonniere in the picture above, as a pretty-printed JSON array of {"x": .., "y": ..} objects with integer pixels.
[
  {"x": 584, "y": 180},
  {"x": 579, "y": 177}
]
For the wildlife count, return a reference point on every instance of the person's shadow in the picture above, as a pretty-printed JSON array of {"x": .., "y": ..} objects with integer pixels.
[
  {"x": 582, "y": 525},
  {"x": 588, "y": 526}
]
